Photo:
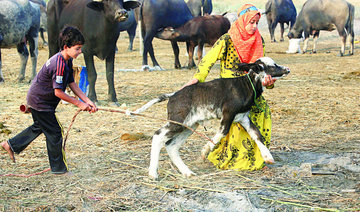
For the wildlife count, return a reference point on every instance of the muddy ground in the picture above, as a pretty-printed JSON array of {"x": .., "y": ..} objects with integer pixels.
[{"x": 315, "y": 141}]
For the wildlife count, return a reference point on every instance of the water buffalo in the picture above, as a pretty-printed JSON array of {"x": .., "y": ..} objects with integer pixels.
[
  {"x": 326, "y": 15},
  {"x": 19, "y": 24},
  {"x": 200, "y": 7},
  {"x": 97, "y": 20},
  {"x": 43, "y": 18},
  {"x": 130, "y": 26},
  {"x": 280, "y": 11},
  {"x": 196, "y": 32},
  {"x": 157, "y": 15}
]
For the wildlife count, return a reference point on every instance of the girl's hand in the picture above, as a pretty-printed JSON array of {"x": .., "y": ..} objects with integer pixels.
[{"x": 269, "y": 81}]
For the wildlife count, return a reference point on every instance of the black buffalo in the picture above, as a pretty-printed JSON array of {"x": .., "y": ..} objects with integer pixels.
[
  {"x": 326, "y": 15},
  {"x": 157, "y": 15},
  {"x": 282, "y": 12},
  {"x": 200, "y": 7},
  {"x": 43, "y": 18},
  {"x": 97, "y": 20},
  {"x": 19, "y": 24},
  {"x": 130, "y": 26}
]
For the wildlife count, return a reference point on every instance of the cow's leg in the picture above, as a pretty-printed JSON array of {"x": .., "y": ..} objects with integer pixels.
[
  {"x": 316, "y": 38},
  {"x": 42, "y": 36},
  {"x": 24, "y": 55},
  {"x": 306, "y": 42},
  {"x": 282, "y": 29},
  {"x": 159, "y": 139},
  {"x": 191, "y": 46},
  {"x": 200, "y": 51},
  {"x": 148, "y": 48},
  {"x": 343, "y": 35},
  {"x": 1, "y": 74},
  {"x": 254, "y": 133},
  {"x": 33, "y": 46},
  {"x": 110, "y": 78},
  {"x": 131, "y": 33},
  {"x": 89, "y": 61},
  {"x": 173, "y": 146},
  {"x": 176, "y": 51},
  {"x": 272, "y": 27}
]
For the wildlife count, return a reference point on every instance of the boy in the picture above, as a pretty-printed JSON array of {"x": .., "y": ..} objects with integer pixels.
[{"x": 45, "y": 92}]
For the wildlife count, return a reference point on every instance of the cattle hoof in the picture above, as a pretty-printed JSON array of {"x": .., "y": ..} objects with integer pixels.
[
  {"x": 21, "y": 79},
  {"x": 205, "y": 152},
  {"x": 114, "y": 104},
  {"x": 145, "y": 68},
  {"x": 153, "y": 175},
  {"x": 189, "y": 174},
  {"x": 158, "y": 68},
  {"x": 2, "y": 81}
]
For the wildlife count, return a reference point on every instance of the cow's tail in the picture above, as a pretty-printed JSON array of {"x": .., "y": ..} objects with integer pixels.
[{"x": 161, "y": 98}]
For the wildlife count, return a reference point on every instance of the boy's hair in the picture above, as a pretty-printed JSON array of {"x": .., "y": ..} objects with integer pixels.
[{"x": 70, "y": 36}]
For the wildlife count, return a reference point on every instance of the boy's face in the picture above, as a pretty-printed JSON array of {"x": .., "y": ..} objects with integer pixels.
[{"x": 73, "y": 51}]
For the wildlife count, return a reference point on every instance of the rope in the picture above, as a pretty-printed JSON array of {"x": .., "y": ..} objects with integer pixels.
[
  {"x": 253, "y": 87},
  {"x": 171, "y": 121}
]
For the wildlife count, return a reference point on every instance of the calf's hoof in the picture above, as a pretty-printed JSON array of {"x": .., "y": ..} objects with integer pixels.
[
  {"x": 153, "y": 175},
  {"x": 189, "y": 174},
  {"x": 205, "y": 152}
]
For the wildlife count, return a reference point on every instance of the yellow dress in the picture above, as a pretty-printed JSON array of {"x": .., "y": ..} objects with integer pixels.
[{"x": 237, "y": 150}]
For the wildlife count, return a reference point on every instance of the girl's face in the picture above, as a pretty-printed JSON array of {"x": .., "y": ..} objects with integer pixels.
[{"x": 253, "y": 24}]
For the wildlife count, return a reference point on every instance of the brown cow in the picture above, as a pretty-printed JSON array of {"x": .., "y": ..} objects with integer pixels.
[{"x": 196, "y": 32}]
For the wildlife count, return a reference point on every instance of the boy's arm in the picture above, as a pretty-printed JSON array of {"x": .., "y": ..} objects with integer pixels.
[
  {"x": 78, "y": 92},
  {"x": 83, "y": 106}
]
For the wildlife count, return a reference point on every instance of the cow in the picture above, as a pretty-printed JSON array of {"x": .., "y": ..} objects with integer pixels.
[
  {"x": 43, "y": 19},
  {"x": 19, "y": 25},
  {"x": 98, "y": 21},
  {"x": 196, "y": 32},
  {"x": 130, "y": 26},
  {"x": 228, "y": 99},
  {"x": 157, "y": 15},
  {"x": 200, "y": 7},
  {"x": 280, "y": 11},
  {"x": 325, "y": 15}
]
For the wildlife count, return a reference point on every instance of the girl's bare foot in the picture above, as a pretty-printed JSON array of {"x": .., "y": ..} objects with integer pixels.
[{"x": 6, "y": 146}]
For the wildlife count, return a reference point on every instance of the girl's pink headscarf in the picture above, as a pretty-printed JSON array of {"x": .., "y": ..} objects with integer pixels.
[{"x": 249, "y": 47}]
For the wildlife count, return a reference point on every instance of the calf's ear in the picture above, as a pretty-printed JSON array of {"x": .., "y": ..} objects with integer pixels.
[
  {"x": 96, "y": 5},
  {"x": 131, "y": 4}
]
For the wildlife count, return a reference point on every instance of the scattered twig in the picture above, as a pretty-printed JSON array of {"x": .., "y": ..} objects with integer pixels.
[{"x": 299, "y": 205}]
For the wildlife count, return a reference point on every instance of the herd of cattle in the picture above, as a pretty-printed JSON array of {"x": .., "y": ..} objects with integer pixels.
[{"x": 101, "y": 22}]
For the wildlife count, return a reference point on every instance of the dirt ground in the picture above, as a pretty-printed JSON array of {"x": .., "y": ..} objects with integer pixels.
[{"x": 315, "y": 141}]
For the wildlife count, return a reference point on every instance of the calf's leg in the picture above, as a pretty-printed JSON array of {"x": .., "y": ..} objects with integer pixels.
[
  {"x": 173, "y": 146},
  {"x": 256, "y": 136}
]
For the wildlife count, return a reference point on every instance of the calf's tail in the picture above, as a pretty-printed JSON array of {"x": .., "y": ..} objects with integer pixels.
[{"x": 161, "y": 98}]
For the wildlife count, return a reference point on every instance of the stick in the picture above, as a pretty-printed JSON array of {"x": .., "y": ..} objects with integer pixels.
[{"x": 299, "y": 205}]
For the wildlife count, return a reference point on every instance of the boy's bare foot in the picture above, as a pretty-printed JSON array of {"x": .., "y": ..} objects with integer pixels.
[{"x": 6, "y": 146}]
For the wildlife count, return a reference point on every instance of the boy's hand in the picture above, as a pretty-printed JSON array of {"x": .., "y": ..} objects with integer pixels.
[
  {"x": 93, "y": 107},
  {"x": 87, "y": 107}
]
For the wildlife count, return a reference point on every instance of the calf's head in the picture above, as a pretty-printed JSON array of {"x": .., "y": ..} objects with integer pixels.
[
  {"x": 167, "y": 33},
  {"x": 114, "y": 10},
  {"x": 265, "y": 66}
]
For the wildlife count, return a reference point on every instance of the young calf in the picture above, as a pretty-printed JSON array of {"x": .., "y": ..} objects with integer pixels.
[
  {"x": 228, "y": 99},
  {"x": 196, "y": 32}
]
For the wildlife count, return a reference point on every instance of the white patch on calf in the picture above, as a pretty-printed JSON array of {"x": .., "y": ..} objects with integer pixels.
[
  {"x": 158, "y": 142},
  {"x": 202, "y": 113}
]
